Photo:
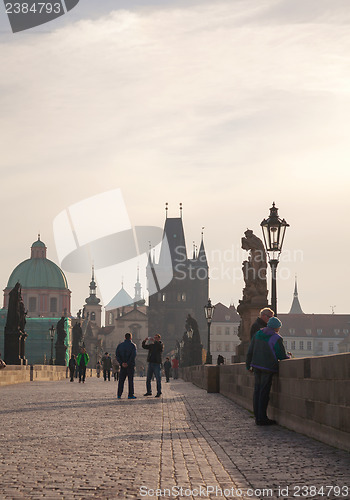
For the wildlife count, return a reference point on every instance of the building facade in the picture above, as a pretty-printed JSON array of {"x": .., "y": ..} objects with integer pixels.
[{"x": 224, "y": 333}]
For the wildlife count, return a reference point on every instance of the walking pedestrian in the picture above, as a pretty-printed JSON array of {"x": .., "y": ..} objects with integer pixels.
[
  {"x": 82, "y": 361},
  {"x": 126, "y": 355},
  {"x": 115, "y": 369},
  {"x": 71, "y": 365},
  {"x": 154, "y": 358},
  {"x": 167, "y": 366},
  {"x": 106, "y": 366},
  {"x": 175, "y": 367},
  {"x": 264, "y": 351},
  {"x": 98, "y": 369}
]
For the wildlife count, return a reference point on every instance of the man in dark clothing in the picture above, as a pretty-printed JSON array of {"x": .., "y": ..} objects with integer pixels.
[
  {"x": 71, "y": 365},
  {"x": 106, "y": 365},
  {"x": 167, "y": 366},
  {"x": 126, "y": 354},
  {"x": 82, "y": 361},
  {"x": 264, "y": 351},
  {"x": 154, "y": 359},
  {"x": 261, "y": 321}
]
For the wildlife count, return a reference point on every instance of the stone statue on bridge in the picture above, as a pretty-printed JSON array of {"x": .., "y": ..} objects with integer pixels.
[
  {"x": 254, "y": 292},
  {"x": 15, "y": 335}
]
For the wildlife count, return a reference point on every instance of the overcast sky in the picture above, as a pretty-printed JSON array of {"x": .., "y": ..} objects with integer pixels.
[{"x": 224, "y": 106}]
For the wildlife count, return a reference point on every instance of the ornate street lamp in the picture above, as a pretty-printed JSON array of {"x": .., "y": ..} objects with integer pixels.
[
  {"x": 274, "y": 230},
  {"x": 52, "y": 336},
  {"x": 209, "y": 313},
  {"x": 181, "y": 344}
]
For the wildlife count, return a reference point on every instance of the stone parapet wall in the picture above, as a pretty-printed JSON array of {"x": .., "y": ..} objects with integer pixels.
[
  {"x": 310, "y": 395},
  {"x": 204, "y": 376},
  {"x": 14, "y": 374}
]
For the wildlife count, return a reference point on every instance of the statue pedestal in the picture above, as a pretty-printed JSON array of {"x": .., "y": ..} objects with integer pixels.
[
  {"x": 14, "y": 348},
  {"x": 61, "y": 350},
  {"x": 248, "y": 312}
]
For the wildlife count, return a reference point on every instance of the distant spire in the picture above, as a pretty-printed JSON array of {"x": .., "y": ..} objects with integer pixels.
[
  {"x": 202, "y": 257},
  {"x": 194, "y": 251},
  {"x": 181, "y": 210},
  {"x": 137, "y": 287},
  {"x": 166, "y": 210},
  {"x": 296, "y": 307},
  {"x": 92, "y": 299}
]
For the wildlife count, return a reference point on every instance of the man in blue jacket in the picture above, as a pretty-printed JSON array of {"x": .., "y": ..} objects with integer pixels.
[
  {"x": 126, "y": 354},
  {"x": 265, "y": 349}
]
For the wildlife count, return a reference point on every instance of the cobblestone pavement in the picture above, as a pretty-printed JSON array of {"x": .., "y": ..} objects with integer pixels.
[{"x": 77, "y": 441}]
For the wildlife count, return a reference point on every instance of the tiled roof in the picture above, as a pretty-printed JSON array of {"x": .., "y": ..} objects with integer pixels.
[
  {"x": 224, "y": 314},
  {"x": 315, "y": 325}
]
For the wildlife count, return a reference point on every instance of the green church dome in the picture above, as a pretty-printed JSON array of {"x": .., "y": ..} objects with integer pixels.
[{"x": 38, "y": 271}]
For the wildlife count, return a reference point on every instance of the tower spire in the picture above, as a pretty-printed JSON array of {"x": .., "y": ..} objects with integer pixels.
[
  {"x": 181, "y": 210},
  {"x": 296, "y": 307}
]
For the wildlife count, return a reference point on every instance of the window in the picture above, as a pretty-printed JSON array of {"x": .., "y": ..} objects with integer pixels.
[
  {"x": 292, "y": 331},
  {"x": 330, "y": 346},
  {"x": 32, "y": 304},
  {"x": 320, "y": 346},
  {"x": 53, "y": 304},
  {"x": 110, "y": 318},
  {"x": 301, "y": 345},
  {"x": 292, "y": 344},
  {"x": 336, "y": 331},
  {"x": 218, "y": 346},
  {"x": 93, "y": 316},
  {"x": 183, "y": 297},
  {"x": 319, "y": 331},
  {"x": 218, "y": 330},
  {"x": 308, "y": 331},
  {"x": 227, "y": 330},
  {"x": 285, "y": 342},
  {"x": 309, "y": 346},
  {"x": 227, "y": 347},
  {"x": 346, "y": 331},
  {"x": 179, "y": 297},
  {"x": 227, "y": 317}
]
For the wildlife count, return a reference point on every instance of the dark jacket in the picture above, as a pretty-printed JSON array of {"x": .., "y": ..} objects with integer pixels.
[
  {"x": 256, "y": 326},
  {"x": 167, "y": 366},
  {"x": 126, "y": 352},
  {"x": 106, "y": 362},
  {"x": 154, "y": 351},
  {"x": 265, "y": 350},
  {"x": 72, "y": 363},
  {"x": 82, "y": 359}
]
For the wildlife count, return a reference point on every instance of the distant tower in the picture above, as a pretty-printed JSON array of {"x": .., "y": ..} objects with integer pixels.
[
  {"x": 92, "y": 303},
  {"x": 138, "y": 287},
  {"x": 187, "y": 292},
  {"x": 296, "y": 307}
]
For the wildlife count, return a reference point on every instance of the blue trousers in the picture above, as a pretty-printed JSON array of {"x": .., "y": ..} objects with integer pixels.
[
  {"x": 154, "y": 368},
  {"x": 126, "y": 372},
  {"x": 263, "y": 382}
]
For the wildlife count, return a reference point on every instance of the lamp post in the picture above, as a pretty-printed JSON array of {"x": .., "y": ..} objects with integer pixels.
[
  {"x": 274, "y": 229},
  {"x": 182, "y": 343},
  {"x": 190, "y": 351},
  {"x": 52, "y": 336},
  {"x": 209, "y": 313}
]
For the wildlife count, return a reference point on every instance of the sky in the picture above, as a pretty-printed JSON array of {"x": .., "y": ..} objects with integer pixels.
[{"x": 224, "y": 106}]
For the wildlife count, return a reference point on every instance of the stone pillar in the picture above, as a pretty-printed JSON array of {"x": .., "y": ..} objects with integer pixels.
[
  {"x": 61, "y": 350},
  {"x": 248, "y": 313},
  {"x": 12, "y": 347}
]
